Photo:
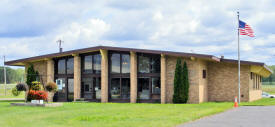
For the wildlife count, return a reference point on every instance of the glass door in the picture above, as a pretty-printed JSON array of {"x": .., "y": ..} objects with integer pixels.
[
  {"x": 88, "y": 88},
  {"x": 91, "y": 88},
  {"x": 61, "y": 90}
]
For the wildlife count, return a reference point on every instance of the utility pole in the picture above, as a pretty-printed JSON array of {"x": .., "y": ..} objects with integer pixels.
[
  {"x": 60, "y": 42},
  {"x": 5, "y": 77}
]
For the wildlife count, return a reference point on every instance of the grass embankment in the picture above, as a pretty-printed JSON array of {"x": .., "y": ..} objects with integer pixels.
[
  {"x": 261, "y": 102},
  {"x": 8, "y": 92},
  {"x": 107, "y": 114},
  {"x": 269, "y": 89}
]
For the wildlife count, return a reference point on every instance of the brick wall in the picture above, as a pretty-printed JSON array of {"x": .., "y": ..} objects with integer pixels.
[
  {"x": 41, "y": 67},
  {"x": 223, "y": 81},
  {"x": 197, "y": 85}
]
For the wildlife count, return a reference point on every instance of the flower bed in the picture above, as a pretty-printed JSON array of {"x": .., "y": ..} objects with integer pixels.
[{"x": 37, "y": 95}]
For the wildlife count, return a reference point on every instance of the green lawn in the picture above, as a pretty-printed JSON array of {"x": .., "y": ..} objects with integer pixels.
[
  {"x": 269, "y": 89},
  {"x": 8, "y": 92},
  {"x": 107, "y": 114},
  {"x": 261, "y": 102}
]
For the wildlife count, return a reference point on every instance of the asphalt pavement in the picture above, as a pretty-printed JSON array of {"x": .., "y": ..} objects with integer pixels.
[{"x": 245, "y": 116}]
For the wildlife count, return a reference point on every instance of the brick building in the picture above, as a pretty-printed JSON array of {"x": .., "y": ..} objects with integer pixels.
[{"x": 114, "y": 74}]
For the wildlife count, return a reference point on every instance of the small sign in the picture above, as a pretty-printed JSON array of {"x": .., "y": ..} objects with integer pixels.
[{"x": 59, "y": 84}]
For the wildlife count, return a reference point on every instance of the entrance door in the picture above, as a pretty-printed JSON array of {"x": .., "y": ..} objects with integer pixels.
[
  {"x": 91, "y": 88},
  {"x": 65, "y": 89},
  {"x": 61, "y": 94}
]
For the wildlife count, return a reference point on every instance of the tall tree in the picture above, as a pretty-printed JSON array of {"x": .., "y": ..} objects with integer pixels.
[
  {"x": 178, "y": 81},
  {"x": 185, "y": 83}
]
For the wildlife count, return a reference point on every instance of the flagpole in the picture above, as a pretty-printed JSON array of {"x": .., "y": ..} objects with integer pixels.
[{"x": 239, "y": 73}]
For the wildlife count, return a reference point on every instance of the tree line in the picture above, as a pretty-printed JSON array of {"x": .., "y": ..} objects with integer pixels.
[
  {"x": 13, "y": 75},
  {"x": 271, "y": 78}
]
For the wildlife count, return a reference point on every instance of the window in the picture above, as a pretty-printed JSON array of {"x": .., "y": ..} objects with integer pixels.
[
  {"x": 97, "y": 63},
  {"x": 148, "y": 63},
  {"x": 115, "y": 60},
  {"x": 143, "y": 64},
  {"x": 125, "y": 63},
  {"x": 88, "y": 64},
  {"x": 61, "y": 66},
  {"x": 115, "y": 88},
  {"x": 70, "y": 66},
  {"x": 155, "y": 63},
  {"x": 120, "y": 63},
  {"x": 155, "y": 85},
  {"x": 91, "y": 64},
  {"x": 203, "y": 73},
  {"x": 143, "y": 88},
  {"x": 119, "y": 74}
]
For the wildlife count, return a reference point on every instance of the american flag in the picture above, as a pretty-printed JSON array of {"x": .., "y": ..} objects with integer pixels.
[{"x": 245, "y": 29}]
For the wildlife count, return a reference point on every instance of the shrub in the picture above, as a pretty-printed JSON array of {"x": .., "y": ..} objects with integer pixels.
[
  {"x": 15, "y": 92},
  {"x": 178, "y": 83},
  {"x": 21, "y": 87},
  {"x": 37, "y": 95},
  {"x": 51, "y": 87},
  {"x": 185, "y": 82}
]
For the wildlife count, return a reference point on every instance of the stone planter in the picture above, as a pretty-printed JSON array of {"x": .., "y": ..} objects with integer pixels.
[{"x": 50, "y": 96}]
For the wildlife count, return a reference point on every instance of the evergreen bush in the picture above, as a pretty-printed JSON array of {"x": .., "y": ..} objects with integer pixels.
[
  {"x": 185, "y": 83},
  {"x": 178, "y": 81}
]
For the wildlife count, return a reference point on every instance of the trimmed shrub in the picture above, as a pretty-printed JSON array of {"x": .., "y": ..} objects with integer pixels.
[
  {"x": 37, "y": 95},
  {"x": 21, "y": 87},
  {"x": 51, "y": 87},
  {"x": 15, "y": 92},
  {"x": 178, "y": 83},
  {"x": 185, "y": 83}
]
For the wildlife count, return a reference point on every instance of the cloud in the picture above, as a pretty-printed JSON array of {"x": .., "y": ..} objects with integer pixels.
[{"x": 32, "y": 27}]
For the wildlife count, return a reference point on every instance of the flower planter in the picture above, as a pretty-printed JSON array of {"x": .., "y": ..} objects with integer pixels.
[{"x": 37, "y": 101}]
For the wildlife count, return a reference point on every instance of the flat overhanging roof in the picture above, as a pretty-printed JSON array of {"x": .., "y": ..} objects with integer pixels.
[{"x": 21, "y": 62}]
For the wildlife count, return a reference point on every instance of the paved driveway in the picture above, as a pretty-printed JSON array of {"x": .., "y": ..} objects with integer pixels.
[{"x": 245, "y": 116}]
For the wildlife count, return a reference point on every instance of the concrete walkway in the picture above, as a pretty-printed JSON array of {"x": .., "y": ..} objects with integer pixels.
[
  {"x": 12, "y": 99},
  {"x": 245, "y": 116}
]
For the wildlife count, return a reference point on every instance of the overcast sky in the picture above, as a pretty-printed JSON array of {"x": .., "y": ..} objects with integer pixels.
[{"x": 32, "y": 27}]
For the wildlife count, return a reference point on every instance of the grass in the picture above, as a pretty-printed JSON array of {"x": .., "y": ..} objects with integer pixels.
[
  {"x": 261, "y": 102},
  {"x": 8, "y": 92},
  {"x": 269, "y": 89},
  {"x": 107, "y": 114}
]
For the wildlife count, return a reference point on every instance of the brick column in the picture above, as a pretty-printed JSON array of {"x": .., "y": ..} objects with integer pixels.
[
  {"x": 77, "y": 76},
  {"x": 163, "y": 78},
  {"x": 104, "y": 75},
  {"x": 133, "y": 77},
  {"x": 50, "y": 71}
]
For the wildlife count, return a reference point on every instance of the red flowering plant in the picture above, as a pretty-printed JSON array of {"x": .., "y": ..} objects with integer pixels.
[{"x": 37, "y": 95}]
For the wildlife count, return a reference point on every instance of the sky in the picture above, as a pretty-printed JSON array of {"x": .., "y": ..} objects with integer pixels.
[{"x": 32, "y": 27}]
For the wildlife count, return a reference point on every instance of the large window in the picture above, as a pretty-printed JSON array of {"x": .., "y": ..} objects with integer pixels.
[
  {"x": 91, "y": 64},
  {"x": 120, "y": 63},
  {"x": 91, "y": 76},
  {"x": 64, "y": 70},
  {"x": 119, "y": 75},
  {"x": 148, "y": 64},
  {"x": 70, "y": 66},
  {"x": 148, "y": 76},
  {"x": 64, "y": 66},
  {"x": 61, "y": 67}
]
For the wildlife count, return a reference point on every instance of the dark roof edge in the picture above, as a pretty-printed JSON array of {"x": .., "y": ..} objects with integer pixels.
[
  {"x": 115, "y": 49},
  {"x": 183, "y": 54}
]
